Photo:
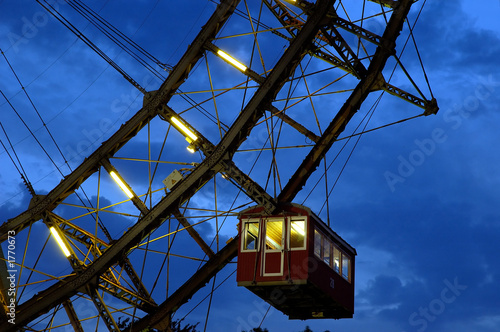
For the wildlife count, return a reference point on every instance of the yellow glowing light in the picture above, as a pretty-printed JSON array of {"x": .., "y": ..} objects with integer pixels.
[
  {"x": 184, "y": 129},
  {"x": 60, "y": 241},
  {"x": 121, "y": 184},
  {"x": 231, "y": 60},
  {"x": 298, "y": 227},
  {"x": 274, "y": 243},
  {"x": 191, "y": 148}
]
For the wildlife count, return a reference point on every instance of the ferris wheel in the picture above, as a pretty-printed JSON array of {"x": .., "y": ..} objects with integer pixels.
[{"x": 254, "y": 123}]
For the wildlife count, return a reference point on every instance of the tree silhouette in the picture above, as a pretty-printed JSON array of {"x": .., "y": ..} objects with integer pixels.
[{"x": 175, "y": 326}]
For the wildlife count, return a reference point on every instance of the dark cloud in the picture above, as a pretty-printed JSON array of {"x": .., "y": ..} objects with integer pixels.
[
  {"x": 16, "y": 204},
  {"x": 452, "y": 41}
]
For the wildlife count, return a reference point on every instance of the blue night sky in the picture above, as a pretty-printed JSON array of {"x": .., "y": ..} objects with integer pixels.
[{"x": 418, "y": 200}]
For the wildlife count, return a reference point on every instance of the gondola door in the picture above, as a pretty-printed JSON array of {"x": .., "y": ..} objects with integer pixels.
[{"x": 273, "y": 246}]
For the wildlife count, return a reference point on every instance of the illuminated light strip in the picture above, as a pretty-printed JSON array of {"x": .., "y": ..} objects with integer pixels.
[
  {"x": 184, "y": 129},
  {"x": 60, "y": 242},
  {"x": 121, "y": 184},
  {"x": 231, "y": 60}
]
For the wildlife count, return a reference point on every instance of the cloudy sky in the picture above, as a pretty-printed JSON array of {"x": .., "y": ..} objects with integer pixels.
[{"x": 417, "y": 200}]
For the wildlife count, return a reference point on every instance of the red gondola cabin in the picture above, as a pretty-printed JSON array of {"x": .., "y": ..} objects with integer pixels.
[{"x": 296, "y": 263}]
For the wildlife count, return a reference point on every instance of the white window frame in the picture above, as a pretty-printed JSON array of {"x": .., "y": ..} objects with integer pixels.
[
  {"x": 289, "y": 235},
  {"x": 244, "y": 231}
]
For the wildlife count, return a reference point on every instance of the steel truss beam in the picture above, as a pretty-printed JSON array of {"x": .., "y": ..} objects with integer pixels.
[
  {"x": 102, "y": 309},
  {"x": 260, "y": 80},
  {"x": 177, "y": 214},
  {"x": 355, "y": 29},
  {"x": 105, "y": 283},
  {"x": 349, "y": 62},
  {"x": 91, "y": 290},
  {"x": 160, "y": 319},
  {"x": 249, "y": 72},
  {"x": 73, "y": 317},
  {"x": 430, "y": 106},
  {"x": 108, "y": 282},
  {"x": 114, "y": 288},
  {"x": 335, "y": 39},
  {"x": 135, "y": 199},
  {"x": 307, "y": 7},
  {"x": 137, "y": 282},
  {"x": 349, "y": 59},
  {"x": 95, "y": 244},
  {"x": 76, "y": 263},
  {"x": 251, "y": 188},
  {"x": 60, "y": 291},
  {"x": 291, "y": 23},
  {"x": 300, "y": 128},
  {"x": 194, "y": 234},
  {"x": 351, "y": 106},
  {"x": 332, "y": 59},
  {"x": 280, "y": 11}
]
